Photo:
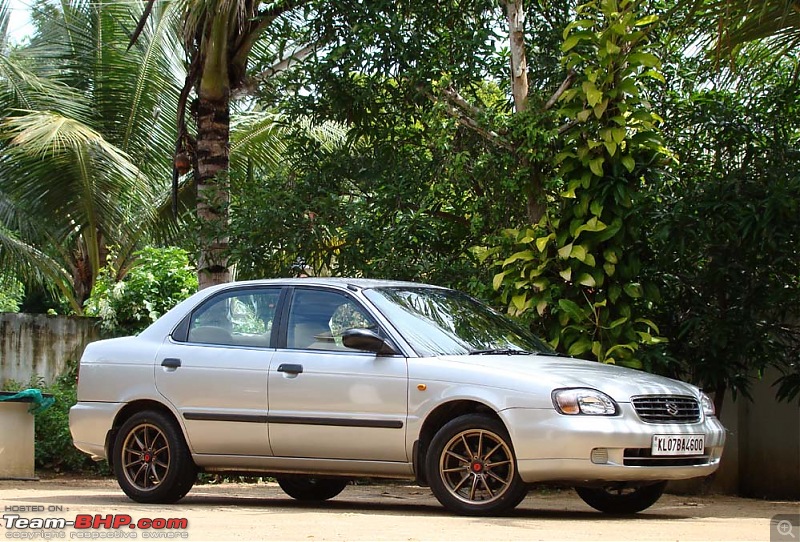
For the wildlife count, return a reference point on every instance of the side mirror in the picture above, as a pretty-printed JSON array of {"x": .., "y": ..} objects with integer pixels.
[{"x": 367, "y": 340}]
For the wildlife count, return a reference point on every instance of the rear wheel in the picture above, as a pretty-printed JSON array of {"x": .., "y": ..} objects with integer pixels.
[
  {"x": 621, "y": 498},
  {"x": 472, "y": 469},
  {"x": 151, "y": 460},
  {"x": 308, "y": 488}
]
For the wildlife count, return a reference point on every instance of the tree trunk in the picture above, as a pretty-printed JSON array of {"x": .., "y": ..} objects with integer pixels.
[
  {"x": 213, "y": 194},
  {"x": 536, "y": 205},
  {"x": 519, "y": 65}
]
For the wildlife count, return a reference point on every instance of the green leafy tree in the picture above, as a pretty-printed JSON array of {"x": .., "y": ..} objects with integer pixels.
[
  {"x": 439, "y": 152},
  {"x": 374, "y": 207},
  {"x": 390, "y": 62},
  {"x": 725, "y": 229}
]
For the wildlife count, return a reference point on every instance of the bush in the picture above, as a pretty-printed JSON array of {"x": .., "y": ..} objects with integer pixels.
[
  {"x": 158, "y": 280},
  {"x": 11, "y": 294}
]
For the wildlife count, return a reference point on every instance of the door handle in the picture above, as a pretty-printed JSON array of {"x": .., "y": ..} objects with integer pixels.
[
  {"x": 291, "y": 368},
  {"x": 171, "y": 363}
]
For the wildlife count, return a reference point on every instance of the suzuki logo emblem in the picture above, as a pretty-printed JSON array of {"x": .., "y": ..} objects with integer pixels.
[{"x": 672, "y": 409}]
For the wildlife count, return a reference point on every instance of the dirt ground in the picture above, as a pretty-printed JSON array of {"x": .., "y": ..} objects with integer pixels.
[{"x": 374, "y": 512}]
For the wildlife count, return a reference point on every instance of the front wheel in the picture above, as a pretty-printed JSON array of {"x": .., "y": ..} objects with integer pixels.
[
  {"x": 472, "y": 469},
  {"x": 151, "y": 460},
  {"x": 310, "y": 489},
  {"x": 621, "y": 498}
]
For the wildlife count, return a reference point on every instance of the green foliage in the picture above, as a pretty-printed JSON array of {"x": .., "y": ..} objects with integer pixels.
[
  {"x": 726, "y": 233},
  {"x": 435, "y": 158},
  {"x": 401, "y": 199},
  {"x": 53, "y": 444},
  {"x": 158, "y": 280},
  {"x": 579, "y": 268},
  {"x": 12, "y": 293}
]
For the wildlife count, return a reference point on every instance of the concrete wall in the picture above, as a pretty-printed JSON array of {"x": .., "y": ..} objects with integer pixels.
[
  {"x": 769, "y": 444},
  {"x": 762, "y": 450},
  {"x": 38, "y": 344}
]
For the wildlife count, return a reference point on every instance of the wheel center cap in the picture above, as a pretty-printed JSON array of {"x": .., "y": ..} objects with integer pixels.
[
  {"x": 147, "y": 458},
  {"x": 477, "y": 466}
]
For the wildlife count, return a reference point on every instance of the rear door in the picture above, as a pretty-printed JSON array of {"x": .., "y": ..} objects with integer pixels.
[
  {"x": 326, "y": 400},
  {"x": 214, "y": 371}
]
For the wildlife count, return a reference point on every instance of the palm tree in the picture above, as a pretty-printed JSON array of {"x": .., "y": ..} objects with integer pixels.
[
  {"x": 218, "y": 38},
  {"x": 78, "y": 169}
]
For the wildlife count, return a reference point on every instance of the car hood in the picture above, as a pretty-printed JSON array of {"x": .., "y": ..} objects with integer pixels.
[{"x": 521, "y": 372}]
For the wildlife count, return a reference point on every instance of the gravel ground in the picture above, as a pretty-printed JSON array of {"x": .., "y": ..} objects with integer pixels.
[{"x": 389, "y": 511}]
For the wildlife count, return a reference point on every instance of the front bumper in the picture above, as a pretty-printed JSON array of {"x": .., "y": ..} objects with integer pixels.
[{"x": 552, "y": 447}]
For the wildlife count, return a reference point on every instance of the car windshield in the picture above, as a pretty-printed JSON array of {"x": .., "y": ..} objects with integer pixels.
[{"x": 439, "y": 322}]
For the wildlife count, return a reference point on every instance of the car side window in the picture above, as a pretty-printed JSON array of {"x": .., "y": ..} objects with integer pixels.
[
  {"x": 318, "y": 318},
  {"x": 242, "y": 318}
]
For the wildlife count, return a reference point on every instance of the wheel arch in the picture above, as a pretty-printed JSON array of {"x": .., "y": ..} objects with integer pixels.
[
  {"x": 436, "y": 419},
  {"x": 124, "y": 415}
]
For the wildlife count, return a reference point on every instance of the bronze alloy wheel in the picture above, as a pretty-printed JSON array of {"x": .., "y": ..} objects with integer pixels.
[
  {"x": 151, "y": 460},
  {"x": 471, "y": 466},
  {"x": 145, "y": 456},
  {"x": 477, "y": 466}
]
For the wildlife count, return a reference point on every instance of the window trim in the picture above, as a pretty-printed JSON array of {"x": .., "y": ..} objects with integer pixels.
[
  {"x": 282, "y": 342},
  {"x": 181, "y": 332}
]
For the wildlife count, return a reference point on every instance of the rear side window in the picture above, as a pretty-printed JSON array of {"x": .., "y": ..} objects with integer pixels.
[{"x": 240, "y": 318}]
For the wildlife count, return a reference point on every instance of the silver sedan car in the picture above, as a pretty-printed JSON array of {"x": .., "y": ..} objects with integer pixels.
[{"x": 318, "y": 381}]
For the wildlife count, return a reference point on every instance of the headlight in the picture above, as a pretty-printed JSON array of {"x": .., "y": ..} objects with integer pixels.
[
  {"x": 584, "y": 401},
  {"x": 707, "y": 404}
]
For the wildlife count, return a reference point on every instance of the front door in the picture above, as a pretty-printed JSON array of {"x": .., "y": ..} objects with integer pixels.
[{"x": 326, "y": 400}]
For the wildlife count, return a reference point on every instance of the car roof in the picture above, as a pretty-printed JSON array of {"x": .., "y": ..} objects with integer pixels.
[{"x": 361, "y": 283}]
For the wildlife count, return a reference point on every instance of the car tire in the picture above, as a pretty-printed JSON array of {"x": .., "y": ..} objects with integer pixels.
[
  {"x": 471, "y": 467},
  {"x": 621, "y": 499},
  {"x": 310, "y": 489},
  {"x": 152, "y": 462}
]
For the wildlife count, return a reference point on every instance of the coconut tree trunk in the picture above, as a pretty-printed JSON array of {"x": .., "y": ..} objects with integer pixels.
[
  {"x": 212, "y": 153},
  {"x": 213, "y": 194}
]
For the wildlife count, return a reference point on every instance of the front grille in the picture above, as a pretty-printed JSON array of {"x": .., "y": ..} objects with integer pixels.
[
  {"x": 667, "y": 408},
  {"x": 643, "y": 457}
]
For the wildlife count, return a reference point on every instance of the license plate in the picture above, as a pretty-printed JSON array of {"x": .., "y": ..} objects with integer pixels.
[{"x": 678, "y": 445}]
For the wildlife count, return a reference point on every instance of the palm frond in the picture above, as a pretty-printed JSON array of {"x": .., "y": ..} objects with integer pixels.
[
  {"x": 34, "y": 266},
  {"x": 331, "y": 135},
  {"x": 132, "y": 92},
  {"x": 258, "y": 136},
  {"x": 740, "y": 22},
  {"x": 73, "y": 173},
  {"x": 45, "y": 133},
  {"x": 4, "y": 19},
  {"x": 158, "y": 66},
  {"x": 22, "y": 89}
]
